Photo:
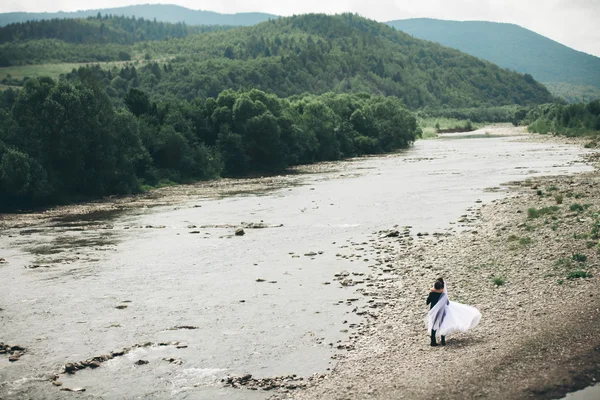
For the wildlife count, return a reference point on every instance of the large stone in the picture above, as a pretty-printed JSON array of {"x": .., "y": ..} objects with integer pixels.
[{"x": 240, "y": 232}]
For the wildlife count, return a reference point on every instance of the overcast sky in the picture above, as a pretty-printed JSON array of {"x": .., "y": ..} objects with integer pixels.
[{"x": 571, "y": 22}]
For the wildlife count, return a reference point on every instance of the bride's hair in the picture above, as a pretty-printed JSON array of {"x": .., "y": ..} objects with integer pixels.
[{"x": 438, "y": 285}]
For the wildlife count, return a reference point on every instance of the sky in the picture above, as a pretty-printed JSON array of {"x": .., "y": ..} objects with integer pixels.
[{"x": 571, "y": 22}]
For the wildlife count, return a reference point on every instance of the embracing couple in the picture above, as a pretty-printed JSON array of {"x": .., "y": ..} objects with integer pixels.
[{"x": 445, "y": 316}]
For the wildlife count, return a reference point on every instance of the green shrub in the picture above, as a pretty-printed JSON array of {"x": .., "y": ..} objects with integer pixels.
[
  {"x": 579, "y": 257},
  {"x": 560, "y": 281},
  {"x": 596, "y": 230}
]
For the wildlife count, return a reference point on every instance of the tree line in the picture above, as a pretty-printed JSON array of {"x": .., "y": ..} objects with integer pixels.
[
  {"x": 570, "y": 120},
  {"x": 62, "y": 141}
]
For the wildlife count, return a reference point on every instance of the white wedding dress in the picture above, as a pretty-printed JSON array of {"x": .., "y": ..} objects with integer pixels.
[{"x": 447, "y": 316}]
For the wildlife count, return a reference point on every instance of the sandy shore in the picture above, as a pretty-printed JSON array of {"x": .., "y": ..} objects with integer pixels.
[{"x": 540, "y": 332}]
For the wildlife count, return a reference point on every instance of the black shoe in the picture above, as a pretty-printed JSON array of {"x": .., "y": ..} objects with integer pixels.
[
  {"x": 434, "y": 344},
  {"x": 443, "y": 341}
]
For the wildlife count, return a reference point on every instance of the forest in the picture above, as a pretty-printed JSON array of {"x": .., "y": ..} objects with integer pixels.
[
  {"x": 303, "y": 54},
  {"x": 226, "y": 102},
  {"x": 62, "y": 141}
]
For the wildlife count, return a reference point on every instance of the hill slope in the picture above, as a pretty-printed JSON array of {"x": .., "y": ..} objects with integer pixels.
[
  {"x": 318, "y": 54},
  {"x": 509, "y": 46},
  {"x": 162, "y": 12}
]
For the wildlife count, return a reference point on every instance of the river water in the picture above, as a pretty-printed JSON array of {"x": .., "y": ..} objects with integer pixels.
[{"x": 74, "y": 288}]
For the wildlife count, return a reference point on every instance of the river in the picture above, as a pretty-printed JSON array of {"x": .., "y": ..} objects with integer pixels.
[{"x": 74, "y": 288}]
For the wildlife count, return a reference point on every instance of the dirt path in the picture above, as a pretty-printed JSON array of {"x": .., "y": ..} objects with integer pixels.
[{"x": 540, "y": 332}]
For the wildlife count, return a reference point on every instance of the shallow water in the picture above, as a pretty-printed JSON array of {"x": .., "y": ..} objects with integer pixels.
[
  {"x": 589, "y": 393},
  {"x": 64, "y": 279}
]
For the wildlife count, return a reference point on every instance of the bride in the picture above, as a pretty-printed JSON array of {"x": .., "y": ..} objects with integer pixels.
[{"x": 445, "y": 316}]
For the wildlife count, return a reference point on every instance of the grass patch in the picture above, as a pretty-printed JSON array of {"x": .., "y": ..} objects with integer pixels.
[
  {"x": 55, "y": 70},
  {"x": 525, "y": 241},
  {"x": 498, "y": 281},
  {"x": 578, "y": 274},
  {"x": 560, "y": 281},
  {"x": 552, "y": 188},
  {"x": 576, "y": 207},
  {"x": 564, "y": 263},
  {"x": 581, "y": 236},
  {"x": 162, "y": 183},
  {"x": 536, "y": 213},
  {"x": 529, "y": 228},
  {"x": 590, "y": 244},
  {"x": 431, "y": 125},
  {"x": 580, "y": 258},
  {"x": 558, "y": 198}
]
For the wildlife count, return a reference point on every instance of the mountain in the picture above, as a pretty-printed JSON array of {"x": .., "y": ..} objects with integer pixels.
[
  {"x": 160, "y": 12},
  {"x": 312, "y": 53},
  {"x": 510, "y": 46},
  {"x": 320, "y": 53}
]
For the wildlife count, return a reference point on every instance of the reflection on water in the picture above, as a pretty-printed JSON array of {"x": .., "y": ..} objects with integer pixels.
[{"x": 265, "y": 303}]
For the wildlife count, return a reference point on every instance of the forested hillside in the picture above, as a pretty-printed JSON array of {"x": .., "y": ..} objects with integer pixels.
[
  {"x": 94, "y": 39},
  {"x": 285, "y": 92},
  {"x": 311, "y": 53},
  {"x": 161, "y": 12},
  {"x": 102, "y": 29},
  {"x": 511, "y": 46}
]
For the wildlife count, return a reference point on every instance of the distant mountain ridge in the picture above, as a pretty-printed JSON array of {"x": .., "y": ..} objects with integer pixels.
[
  {"x": 162, "y": 12},
  {"x": 509, "y": 46}
]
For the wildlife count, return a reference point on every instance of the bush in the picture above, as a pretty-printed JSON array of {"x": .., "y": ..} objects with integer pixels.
[{"x": 579, "y": 257}]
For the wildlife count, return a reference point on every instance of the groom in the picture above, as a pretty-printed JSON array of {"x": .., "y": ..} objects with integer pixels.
[{"x": 434, "y": 296}]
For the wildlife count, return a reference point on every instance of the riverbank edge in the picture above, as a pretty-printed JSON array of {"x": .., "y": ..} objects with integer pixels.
[
  {"x": 179, "y": 193},
  {"x": 536, "y": 339}
]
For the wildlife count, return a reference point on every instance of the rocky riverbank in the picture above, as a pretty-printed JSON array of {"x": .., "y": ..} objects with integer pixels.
[{"x": 528, "y": 262}]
